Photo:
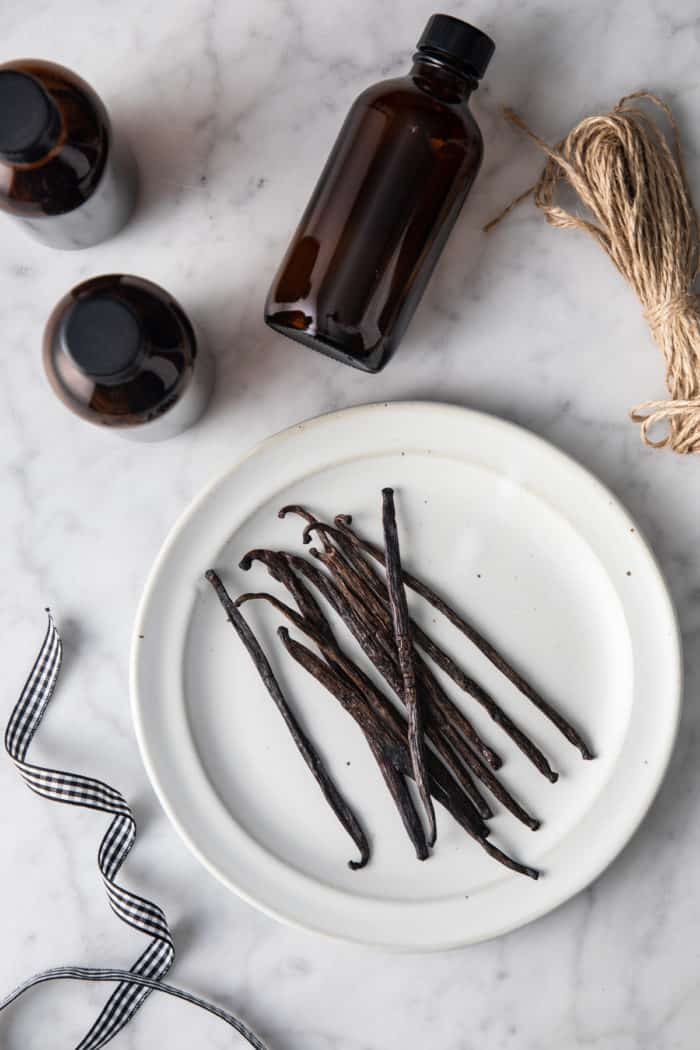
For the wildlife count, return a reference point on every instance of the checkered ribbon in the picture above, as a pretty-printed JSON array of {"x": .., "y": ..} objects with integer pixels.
[{"x": 135, "y": 985}]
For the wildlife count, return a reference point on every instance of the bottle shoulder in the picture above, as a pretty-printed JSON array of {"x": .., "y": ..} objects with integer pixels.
[{"x": 406, "y": 99}]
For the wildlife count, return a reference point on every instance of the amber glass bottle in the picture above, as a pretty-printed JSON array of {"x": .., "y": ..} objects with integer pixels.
[
  {"x": 120, "y": 352},
  {"x": 391, "y": 190},
  {"x": 63, "y": 174}
]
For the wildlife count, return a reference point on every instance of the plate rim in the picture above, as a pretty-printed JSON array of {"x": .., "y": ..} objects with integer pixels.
[{"x": 203, "y": 496}]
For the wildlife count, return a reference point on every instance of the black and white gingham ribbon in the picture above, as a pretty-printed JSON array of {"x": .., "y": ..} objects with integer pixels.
[{"x": 135, "y": 985}]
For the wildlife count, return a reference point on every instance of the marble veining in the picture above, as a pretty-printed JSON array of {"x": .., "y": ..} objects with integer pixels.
[{"x": 231, "y": 108}]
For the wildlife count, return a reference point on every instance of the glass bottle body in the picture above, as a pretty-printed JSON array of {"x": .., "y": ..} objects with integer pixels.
[{"x": 389, "y": 195}]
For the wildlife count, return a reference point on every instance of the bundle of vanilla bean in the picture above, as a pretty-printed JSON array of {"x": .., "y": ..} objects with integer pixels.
[{"x": 428, "y": 739}]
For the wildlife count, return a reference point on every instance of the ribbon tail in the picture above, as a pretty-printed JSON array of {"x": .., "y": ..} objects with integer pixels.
[{"x": 135, "y": 985}]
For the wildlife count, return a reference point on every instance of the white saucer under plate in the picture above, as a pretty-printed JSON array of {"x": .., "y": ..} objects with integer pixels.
[{"x": 519, "y": 538}]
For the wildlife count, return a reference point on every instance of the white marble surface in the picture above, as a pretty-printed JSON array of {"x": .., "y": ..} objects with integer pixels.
[{"x": 232, "y": 107}]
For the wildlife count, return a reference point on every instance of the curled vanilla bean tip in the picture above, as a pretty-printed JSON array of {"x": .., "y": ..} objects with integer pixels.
[
  {"x": 249, "y": 596},
  {"x": 308, "y": 517},
  {"x": 296, "y": 508},
  {"x": 256, "y": 554}
]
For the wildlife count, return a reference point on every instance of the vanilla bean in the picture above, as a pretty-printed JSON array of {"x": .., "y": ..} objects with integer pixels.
[
  {"x": 440, "y": 718},
  {"x": 345, "y": 605},
  {"x": 393, "y": 780},
  {"x": 340, "y": 599},
  {"x": 452, "y": 732},
  {"x": 404, "y": 649},
  {"x": 476, "y": 764},
  {"x": 450, "y": 714},
  {"x": 474, "y": 807},
  {"x": 390, "y": 739},
  {"x": 440, "y": 710},
  {"x": 467, "y": 684},
  {"x": 334, "y": 684},
  {"x": 368, "y": 640},
  {"x": 371, "y": 589},
  {"x": 469, "y": 631},
  {"x": 460, "y": 774},
  {"x": 480, "y": 769},
  {"x": 381, "y": 717},
  {"x": 374, "y": 598},
  {"x": 398, "y": 789},
  {"x": 306, "y": 749}
]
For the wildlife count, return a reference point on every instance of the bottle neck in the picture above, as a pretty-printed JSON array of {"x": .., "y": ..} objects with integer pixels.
[{"x": 438, "y": 77}]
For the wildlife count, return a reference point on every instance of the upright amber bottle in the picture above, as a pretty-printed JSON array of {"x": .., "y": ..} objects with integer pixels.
[
  {"x": 64, "y": 175},
  {"x": 120, "y": 352},
  {"x": 389, "y": 195}
]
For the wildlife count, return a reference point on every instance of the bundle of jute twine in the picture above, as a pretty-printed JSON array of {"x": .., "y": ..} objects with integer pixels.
[{"x": 634, "y": 188}]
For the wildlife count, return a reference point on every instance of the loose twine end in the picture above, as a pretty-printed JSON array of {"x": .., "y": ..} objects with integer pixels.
[{"x": 633, "y": 187}]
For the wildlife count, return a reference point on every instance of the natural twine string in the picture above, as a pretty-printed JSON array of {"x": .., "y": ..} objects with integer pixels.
[{"x": 634, "y": 187}]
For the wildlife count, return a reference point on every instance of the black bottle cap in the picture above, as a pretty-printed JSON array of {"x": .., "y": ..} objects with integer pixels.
[
  {"x": 103, "y": 337},
  {"x": 458, "y": 43},
  {"x": 29, "y": 119}
]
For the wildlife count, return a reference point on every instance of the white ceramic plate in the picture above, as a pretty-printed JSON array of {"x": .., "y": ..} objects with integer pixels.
[{"x": 520, "y": 538}]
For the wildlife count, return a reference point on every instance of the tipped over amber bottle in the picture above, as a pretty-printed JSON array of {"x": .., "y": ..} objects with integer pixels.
[
  {"x": 64, "y": 175},
  {"x": 389, "y": 195}
]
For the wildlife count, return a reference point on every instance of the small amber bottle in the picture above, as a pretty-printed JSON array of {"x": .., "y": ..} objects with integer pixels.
[
  {"x": 63, "y": 174},
  {"x": 120, "y": 352},
  {"x": 389, "y": 195}
]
